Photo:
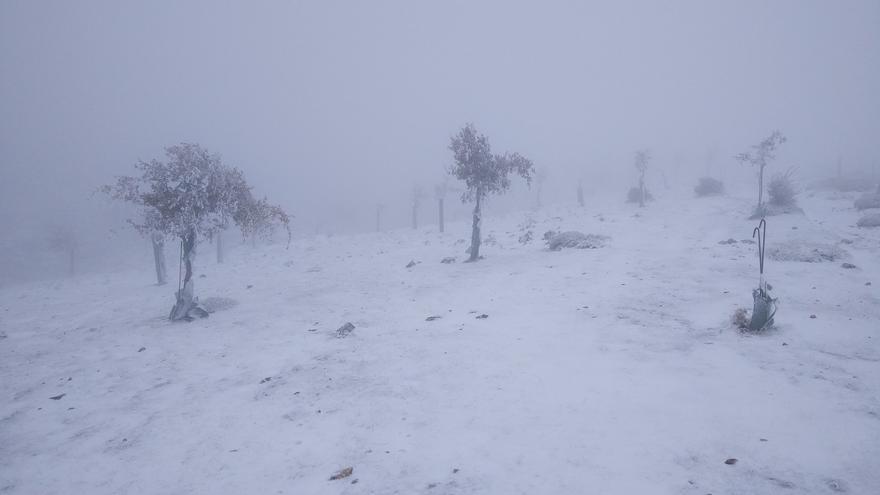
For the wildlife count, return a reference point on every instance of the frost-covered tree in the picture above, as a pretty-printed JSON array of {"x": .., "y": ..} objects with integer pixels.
[
  {"x": 193, "y": 196},
  {"x": 641, "y": 161},
  {"x": 762, "y": 154},
  {"x": 483, "y": 173}
]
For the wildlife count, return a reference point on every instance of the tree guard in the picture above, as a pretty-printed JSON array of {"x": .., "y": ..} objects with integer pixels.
[{"x": 764, "y": 305}]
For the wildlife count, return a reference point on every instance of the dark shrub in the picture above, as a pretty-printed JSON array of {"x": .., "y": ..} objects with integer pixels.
[
  {"x": 709, "y": 187},
  {"x": 781, "y": 190}
]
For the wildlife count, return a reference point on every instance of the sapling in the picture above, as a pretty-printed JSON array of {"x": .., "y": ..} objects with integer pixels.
[{"x": 760, "y": 156}]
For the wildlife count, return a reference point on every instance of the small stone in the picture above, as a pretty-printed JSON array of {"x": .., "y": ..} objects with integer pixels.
[
  {"x": 411, "y": 264},
  {"x": 142, "y": 349},
  {"x": 447, "y": 260},
  {"x": 57, "y": 397},
  {"x": 848, "y": 266},
  {"x": 867, "y": 283},
  {"x": 731, "y": 461},
  {"x": 812, "y": 317},
  {"x": 482, "y": 316},
  {"x": 342, "y": 473},
  {"x": 432, "y": 318},
  {"x": 250, "y": 286},
  {"x": 267, "y": 379}
]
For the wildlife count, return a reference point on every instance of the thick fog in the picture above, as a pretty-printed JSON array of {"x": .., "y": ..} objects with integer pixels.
[{"x": 331, "y": 108}]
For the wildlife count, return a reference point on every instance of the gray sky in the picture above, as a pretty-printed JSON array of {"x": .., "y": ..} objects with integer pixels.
[{"x": 345, "y": 104}]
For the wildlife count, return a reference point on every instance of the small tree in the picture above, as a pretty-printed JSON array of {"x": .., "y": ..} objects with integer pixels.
[
  {"x": 641, "y": 162},
  {"x": 483, "y": 173},
  {"x": 193, "y": 196},
  {"x": 762, "y": 154},
  {"x": 580, "y": 193}
]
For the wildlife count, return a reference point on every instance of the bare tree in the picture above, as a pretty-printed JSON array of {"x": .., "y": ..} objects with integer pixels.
[
  {"x": 483, "y": 173},
  {"x": 193, "y": 196},
  {"x": 762, "y": 154}
]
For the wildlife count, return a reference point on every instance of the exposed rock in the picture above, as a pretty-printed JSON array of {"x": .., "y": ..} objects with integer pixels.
[
  {"x": 575, "y": 239},
  {"x": 731, "y": 461},
  {"x": 868, "y": 200},
  {"x": 447, "y": 260},
  {"x": 482, "y": 316},
  {"x": 432, "y": 318},
  {"x": 869, "y": 220},
  {"x": 57, "y": 397},
  {"x": 848, "y": 266},
  {"x": 728, "y": 241},
  {"x": 411, "y": 264},
  {"x": 342, "y": 473},
  {"x": 804, "y": 251},
  {"x": 214, "y": 304},
  {"x": 344, "y": 330}
]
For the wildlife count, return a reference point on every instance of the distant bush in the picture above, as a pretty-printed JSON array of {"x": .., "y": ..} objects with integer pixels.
[
  {"x": 868, "y": 200},
  {"x": 869, "y": 220},
  {"x": 709, "y": 187},
  {"x": 781, "y": 190},
  {"x": 635, "y": 193}
]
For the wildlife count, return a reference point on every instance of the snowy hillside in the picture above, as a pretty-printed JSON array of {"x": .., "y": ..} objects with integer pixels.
[{"x": 609, "y": 370}]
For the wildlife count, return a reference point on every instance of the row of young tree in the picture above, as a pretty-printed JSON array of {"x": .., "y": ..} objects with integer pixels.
[{"x": 193, "y": 196}]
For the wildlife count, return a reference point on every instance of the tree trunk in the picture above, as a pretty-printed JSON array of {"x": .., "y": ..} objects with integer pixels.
[
  {"x": 642, "y": 191},
  {"x": 415, "y": 215},
  {"x": 220, "y": 247},
  {"x": 72, "y": 261},
  {"x": 378, "y": 219},
  {"x": 475, "y": 234},
  {"x": 187, "y": 306},
  {"x": 159, "y": 258},
  {"x": 440, "y": 209},
  {"x": 580, "y": 196},
  {"x": 760, "y": 186}
]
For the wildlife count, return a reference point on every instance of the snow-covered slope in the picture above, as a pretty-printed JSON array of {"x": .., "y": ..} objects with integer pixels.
[{"x": 610, "y": 370}]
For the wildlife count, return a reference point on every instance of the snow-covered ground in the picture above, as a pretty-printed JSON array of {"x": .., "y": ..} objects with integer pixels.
[{"x": 611, "y": 370}]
